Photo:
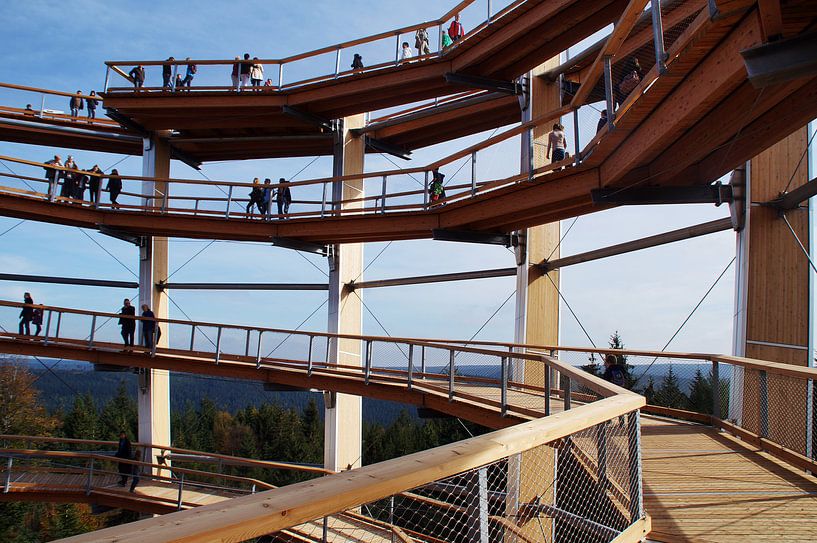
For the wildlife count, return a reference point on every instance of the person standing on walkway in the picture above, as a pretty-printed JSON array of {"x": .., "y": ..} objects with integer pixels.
[
  {"x": 114, "y": 187},
  {"x": 136, "y": 470},
  {"x": 76, "y": 104},
  {"x": 357, "y": 62},
  {"x": 189, "y": 73},
  {"x": 244, "y": 70},
  {"x": 447, "y": 40},
  {"x": 127, "y": 323},
  {"x": 256, "y": 197},
  {"x": 123, "y": 450},
  {"x": 283, "y": 197},
  {"x": 137, "y": 75},
  {"x": 455, "y": 30},
  {"x": 26, "y": 315},
  {"x": 557, "y": 142},
  {"x": 148, "y": 327},
  {"x": 52, "y": 174},
  {"x": 94, "y": 181},
  {"x": 167, "y": 73},
  {"x": 69, "y": 179},
  {"x": 266, "y": 199},
  {"x": 421, "y": 42},
  {"x": 256, "y": 72},
  {"x": 37, "y": 320},
  {"x": 234, "y": 73},
  {"x": 92, "y": 103}
]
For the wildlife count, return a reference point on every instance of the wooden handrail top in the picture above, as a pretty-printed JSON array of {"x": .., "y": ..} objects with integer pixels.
[
  {"x": 106, "y": 458},
  {"x": 234, "y": 459},
  {"x": 299, "y": 56},
  {"x": 289, "y": 506},
  {"x": 48, "y": 91}
]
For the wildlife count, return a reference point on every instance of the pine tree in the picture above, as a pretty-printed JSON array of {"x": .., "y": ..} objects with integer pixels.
[
  {"x": 700, "y": 393},
  {"x": 119, "y": 414},
  {"x": 670, "y": 394},
  {"x": 82, "y": 422}
]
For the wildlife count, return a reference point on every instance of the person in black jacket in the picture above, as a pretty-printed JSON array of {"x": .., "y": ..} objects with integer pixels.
[
  {"x": 92, "y": 102},
  {"x": 124, "y": 451},
  {"x": 114, "y": 188},
  {"x": 283, "y": 197},
  {"x": 137, "y": 75},
  {"x": 244, "y": 70},
  {"x": 128, "y": 325},
  {"x": 26, "y": 315},
  {"x": 167, "y": 73},
  {"x": 94, "y": 181},
  {"x": 148, "y": 327}
]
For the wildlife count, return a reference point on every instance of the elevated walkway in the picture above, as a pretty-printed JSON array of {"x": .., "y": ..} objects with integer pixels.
[{"x": 700, "y": 484}]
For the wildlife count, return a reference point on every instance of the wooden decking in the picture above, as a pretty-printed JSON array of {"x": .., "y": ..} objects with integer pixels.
[{"x": 701, "y": 485}]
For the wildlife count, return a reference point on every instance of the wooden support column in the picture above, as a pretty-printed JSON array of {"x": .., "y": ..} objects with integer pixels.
[
  {"x": 772, "y": 300},
  {"x": 537, "y": 306},
  {"x": 154, "y": 385},
  {"x": 343, "y": 422}
]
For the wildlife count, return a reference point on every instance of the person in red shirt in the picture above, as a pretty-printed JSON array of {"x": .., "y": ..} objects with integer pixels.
[{"x": 455, "y": 31}]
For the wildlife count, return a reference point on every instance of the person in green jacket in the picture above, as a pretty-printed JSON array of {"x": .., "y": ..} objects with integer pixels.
[{"x": 446, "y": 40}]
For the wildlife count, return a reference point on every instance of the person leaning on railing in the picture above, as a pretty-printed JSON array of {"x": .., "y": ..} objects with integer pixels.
[
  {"x": 127, "y": 322},
  {"x": 137, "y": 75},
  {"x": 51, "y": 173},
  {"x": 92, "y": 102},
  {"x": 114, "y": 187},
  {"x": 94, "y": 180},
  {"x": 256, "y": 73},
  {"x": 75, "y": 104},
  {"x": 148, "y": 327}
]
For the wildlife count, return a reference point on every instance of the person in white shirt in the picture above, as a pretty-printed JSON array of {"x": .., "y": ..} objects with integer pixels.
[{"x": 407, "y": 53}]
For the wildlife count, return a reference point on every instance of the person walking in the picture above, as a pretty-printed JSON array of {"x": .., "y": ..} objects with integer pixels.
[
  {"x": 148, "y": 327},
  {"x": 123, "y": 450},
  {"x": 455, "y": 30},
  {"x": 189, "y": 73},
  {"x": 94, "y": 182},
  {"x": 37, "y": 320},
  {"x": 75, "y": 104},
  {"x": 256, "y": 72},
  {"x": 256, "y": 197},
  {"x": 244, "y": 70},
  {"x": 127, "y": 323},
  {"x": 557, "y": 142},
  {"x": 421, "y": 42},
  {"x": 26, "y": 314},
  {"x": 167, "y": 73},
  {"x": 114, "y": 187},
  {"x": 92, "y": 103},
  {"x": 137, "y": 75},
  {"x": 283, "y": 197}
]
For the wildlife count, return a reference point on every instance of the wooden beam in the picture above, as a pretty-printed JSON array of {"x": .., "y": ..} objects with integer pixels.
[
  {"x": 438, "y": 278},
  {"x": 771, "y": 19}
]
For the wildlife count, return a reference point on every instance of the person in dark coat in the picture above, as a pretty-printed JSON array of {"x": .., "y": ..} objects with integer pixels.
[
  {"x": 114, "y": 187},
  {"x": 124, "y": 451},
  {"x": 148, "y": 327},
  {"x": 26, "y": 315},
  {"x": 136, "y": 470},
  {"x": 283, "y": 197},
  {"x": 602, "y": 121},
  {"x": 94, "y": 180},
  {"x": 167, "y": 73},
  {"x": 256, "y": 197},
  {"x": 80, "y": 186},
  {"x": 37, "y": 320},
  {"x": 128, "y": 325},
  {"x": 138, "y": 76},
  {"x": 76, "y": 104},
  {"x": 357, "y": 62},
  {"x": 92, "y": 103},
  {"x": 244, "y": 70}
]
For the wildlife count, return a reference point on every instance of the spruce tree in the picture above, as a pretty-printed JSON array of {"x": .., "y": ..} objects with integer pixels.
[{"x": 669, "y": 394}]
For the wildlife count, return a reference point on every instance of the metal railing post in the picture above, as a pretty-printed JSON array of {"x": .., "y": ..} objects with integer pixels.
[
  {"x": 474, "y": 173},
  {"x": 229, "y": 201},
  {"x": 47, "y": 328},
  {"x": 52, "y": 187},
  {"x": 42, "y": 105},
  {"x": 309, "y": 357},
  {"x": 325, "y": 534},
  {"x": 181, "y": 492},
  {"x": 192, "y": 336},
  {"x": 547, "y": 390},
  {"x": 567, "y": 398},
  {"x": 716, "y": 390},
  {"x": 337, "y": 63},
  {"x": 763, "y": 398},
  {"x": 608, "y": 92},
  {"x": 658, "y": 36},
  {"x": 93, "y": 329},
  {"x": 89, "y": 482},
  {"x": 258, "y": 351},
  {"x": 425, "y": 191},
  {"x": 451, "y": 375},
  {"x": 576, "y": 143},
  {"x": 422, "y": 359},
  {"x": 247, "y": 344},
  {"x": 368, "y": 362},
  {"x": 397, "y": 50},
  {"x": 489, "y": 11},
  {"x": 280, "y": 76},
  {"x": 503, "y": 398},
  {"x": 173, "y": 78},
  {"x": 410, "y": 376},
  {"x": 218, "y": 345},
  {"x": 383, "y": 196},
  {"x": 7, "y": 486},
  {"x": 59, "y": 321},
  {"x": 634, "y": 449},
  {"x": 98, "y": 199},
  {"x": 323, "y": 202},
  {"x": 440, "y": 38},
  {"x": 107, "y": 78}
]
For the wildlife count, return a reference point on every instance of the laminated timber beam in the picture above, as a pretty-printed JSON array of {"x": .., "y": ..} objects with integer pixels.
[
  {"x": 241, "y": 286},
  {"x": 793, "y": 199},
  {"x": 22, "y": 278},
  {"x": 438, "y": 278},
  {"x": 513, "y": 88}
]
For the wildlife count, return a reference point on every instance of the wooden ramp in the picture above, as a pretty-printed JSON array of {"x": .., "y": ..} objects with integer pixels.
[{"x": 701, "y": 485}]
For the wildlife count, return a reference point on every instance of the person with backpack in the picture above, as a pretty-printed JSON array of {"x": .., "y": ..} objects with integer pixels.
[
  {"x": 76, "y": 104},
  {"x": 632, "y": 76},
  {"x": 26, "y": 314},
  {"x": 614, "y": 372}
]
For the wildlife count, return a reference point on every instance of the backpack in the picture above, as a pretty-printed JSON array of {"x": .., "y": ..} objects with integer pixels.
[
  {"x": 629, "y": 83},
  {"x": 618, "y": 376}
]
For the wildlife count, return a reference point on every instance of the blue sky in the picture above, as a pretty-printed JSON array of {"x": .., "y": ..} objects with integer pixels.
[{"x": 644, "y": 295}]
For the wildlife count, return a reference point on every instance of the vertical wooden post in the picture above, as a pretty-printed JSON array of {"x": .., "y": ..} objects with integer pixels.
[{"x": 343, "y": 429}]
